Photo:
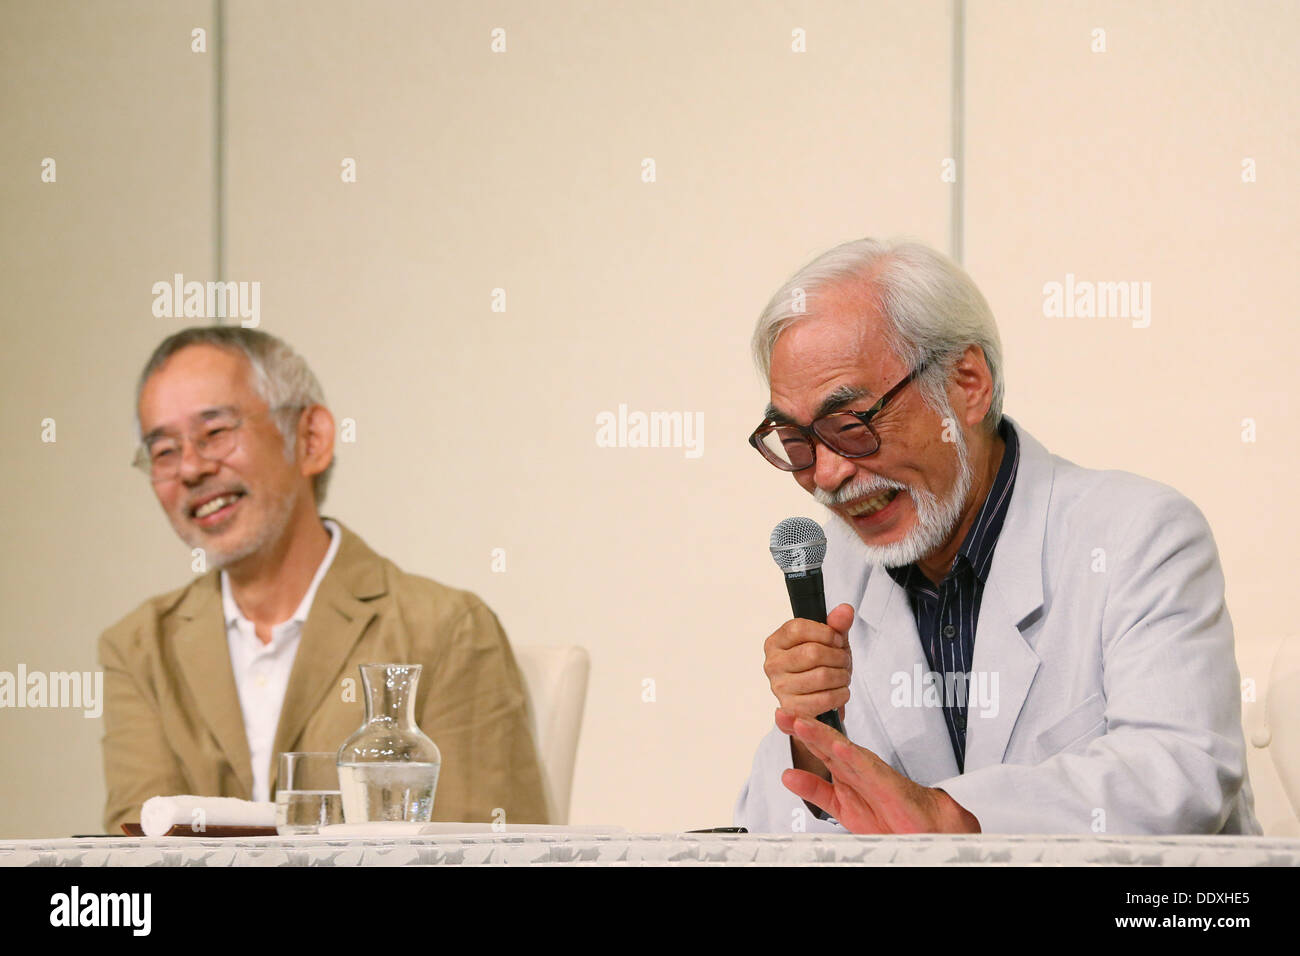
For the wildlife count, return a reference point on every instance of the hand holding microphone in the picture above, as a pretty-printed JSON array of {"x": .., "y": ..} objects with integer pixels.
[
  {"x": 809, "y": 665},
  {"x": 807, "y": 660}
]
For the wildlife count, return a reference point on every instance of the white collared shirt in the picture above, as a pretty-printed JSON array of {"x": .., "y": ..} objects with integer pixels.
[{"x": 262, "y": 670}]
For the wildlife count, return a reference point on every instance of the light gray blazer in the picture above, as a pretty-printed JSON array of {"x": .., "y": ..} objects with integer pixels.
[{"x": 1113, "y": 701}]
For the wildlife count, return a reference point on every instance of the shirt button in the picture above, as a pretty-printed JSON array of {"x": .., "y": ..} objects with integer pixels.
[
  {"x": 260, "y": 680},
  {"x": 949, "y": 630},
  {"x": 960, "y": 721}
]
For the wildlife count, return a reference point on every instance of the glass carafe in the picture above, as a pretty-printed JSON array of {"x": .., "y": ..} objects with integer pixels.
[{"x": 388, "y": 769}]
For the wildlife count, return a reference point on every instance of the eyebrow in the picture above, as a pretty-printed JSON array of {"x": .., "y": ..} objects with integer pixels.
[
  {"x": 842, "y": 395},
  {"x": 205, "y": 415}
]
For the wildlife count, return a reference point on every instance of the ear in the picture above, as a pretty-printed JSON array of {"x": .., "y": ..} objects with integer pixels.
[
  {"x": 315, "y": 440},
  {"x": 970, "y": 387}
]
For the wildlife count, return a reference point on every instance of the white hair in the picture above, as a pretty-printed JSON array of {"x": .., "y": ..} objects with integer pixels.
[{"x": 933, "y": 311}]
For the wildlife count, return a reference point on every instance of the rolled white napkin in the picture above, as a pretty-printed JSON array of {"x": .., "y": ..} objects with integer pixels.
[{"x": 160, "y": 814}]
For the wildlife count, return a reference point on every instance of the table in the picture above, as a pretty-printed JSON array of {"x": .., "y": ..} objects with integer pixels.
[{"x": 656, "y": 849}]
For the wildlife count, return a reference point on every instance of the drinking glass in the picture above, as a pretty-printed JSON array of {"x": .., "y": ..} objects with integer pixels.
[{"x": 308, "y": 795}]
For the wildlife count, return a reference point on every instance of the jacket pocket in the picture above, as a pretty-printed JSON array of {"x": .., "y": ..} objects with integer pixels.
[{"x": 1080, "y": 725}]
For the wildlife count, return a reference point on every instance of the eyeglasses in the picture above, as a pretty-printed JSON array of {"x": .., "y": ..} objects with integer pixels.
[
  {"x": 791, "y": 447},
  {"x": 218, "y": 436}
]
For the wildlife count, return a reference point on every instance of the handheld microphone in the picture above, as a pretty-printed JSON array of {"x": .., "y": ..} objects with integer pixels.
[{"x": 798, "y": 547}]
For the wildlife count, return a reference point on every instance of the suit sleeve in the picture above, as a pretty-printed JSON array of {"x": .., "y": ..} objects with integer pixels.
[
  {"x": 138, "y": 760},
  {"x": 1171, "y": 758},
  {"x": 476, "y": 714}
]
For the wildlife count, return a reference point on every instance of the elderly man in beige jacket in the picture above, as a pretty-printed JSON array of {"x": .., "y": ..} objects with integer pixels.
[{"x": 205, "y": 686}]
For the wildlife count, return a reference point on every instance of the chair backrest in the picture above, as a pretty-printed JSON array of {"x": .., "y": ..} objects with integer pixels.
[
  {"x": 555, "y": 683},
  {"x": 1271, "y": 720}
]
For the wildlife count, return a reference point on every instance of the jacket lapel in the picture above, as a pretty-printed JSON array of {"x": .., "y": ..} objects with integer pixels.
[
  {"x": 1013, "y": 594},
  {"x": 204, "y": 656},
  {"x": 1001, "y": 655},
  {"x": 338, "y": 617}
]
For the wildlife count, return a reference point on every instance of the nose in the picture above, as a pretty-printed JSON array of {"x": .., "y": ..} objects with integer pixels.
[
  {"x": 194, "y": 467},
  {"x": 830, "y": 471}
]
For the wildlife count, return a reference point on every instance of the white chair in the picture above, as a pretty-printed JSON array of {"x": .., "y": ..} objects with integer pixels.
[
  {"x": 1272, "y": 726},
  {"x": 555, "y": 684}
]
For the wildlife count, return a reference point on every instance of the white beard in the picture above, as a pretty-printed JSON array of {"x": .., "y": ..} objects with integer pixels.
[{"x": 936, "y": 520}]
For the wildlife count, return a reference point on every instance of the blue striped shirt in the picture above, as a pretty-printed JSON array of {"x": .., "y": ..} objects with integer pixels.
[{"x": 946, "y": 614}]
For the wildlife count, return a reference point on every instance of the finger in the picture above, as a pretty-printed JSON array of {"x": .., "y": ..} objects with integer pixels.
[
  {"x": 840, "y": 802},
  {"x": 879, "y": 798},
  {"x": 800, "y": 631},
  {"x": 812, "y": 705},
  {"x": 856, "y": 813},
  {"x": 818, "y": 747},
  {"x": 815, "y": 733},
  {"x": 812, "y": 681},
  {"x": 854, "y": 763},
  {"x": 895, "y": 801},
  {"x": 820, "y": 755},
  {"x": 785, "y": 723},
  {"x": 810, "y": 787},
  {"x": 840, "y": 619},
  {"x": 860, "y": 764},
  {"x": 888, "y": 792},
  {"x": 810, "y": 655}
]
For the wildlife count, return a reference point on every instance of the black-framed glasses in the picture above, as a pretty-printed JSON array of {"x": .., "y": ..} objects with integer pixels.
[
  {"x": 215, "y": 439},
  {"x": 849, "y": 434}
]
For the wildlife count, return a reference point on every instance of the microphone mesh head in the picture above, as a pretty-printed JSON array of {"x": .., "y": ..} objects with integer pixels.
[{"x": 798, "y": 544}]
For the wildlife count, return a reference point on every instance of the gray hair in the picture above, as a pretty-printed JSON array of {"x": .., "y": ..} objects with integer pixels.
[
  {"x": 280, "y": 376},
  {"x": 932, "y": 311}
]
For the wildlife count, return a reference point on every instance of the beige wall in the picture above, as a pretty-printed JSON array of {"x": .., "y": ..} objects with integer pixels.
[
  {"x": 113, "y": 94},
  {"x": 522, "y": 171}
]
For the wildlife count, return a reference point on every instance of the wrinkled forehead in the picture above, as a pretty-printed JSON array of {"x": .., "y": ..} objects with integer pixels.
[
  {"x": 827, "y": 355},
  {"x": 194, "y": 382}
]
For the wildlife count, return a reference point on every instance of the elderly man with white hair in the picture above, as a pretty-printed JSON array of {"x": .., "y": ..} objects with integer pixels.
[{"x": 1016, "y": 643}]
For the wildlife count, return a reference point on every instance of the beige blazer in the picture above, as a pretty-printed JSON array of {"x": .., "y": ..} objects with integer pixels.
[{"x": 173, "y": 724}]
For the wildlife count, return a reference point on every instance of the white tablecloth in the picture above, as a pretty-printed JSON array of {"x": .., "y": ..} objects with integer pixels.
[{"x": 656, "y": 849}]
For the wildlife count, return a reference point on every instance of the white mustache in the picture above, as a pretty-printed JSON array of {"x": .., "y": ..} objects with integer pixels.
[{"x": 859, "y": 488}]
